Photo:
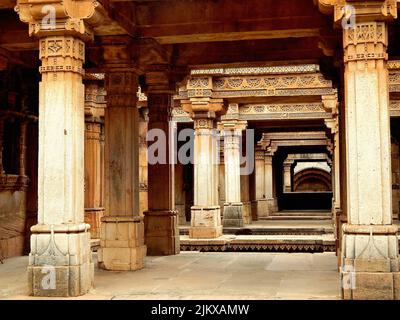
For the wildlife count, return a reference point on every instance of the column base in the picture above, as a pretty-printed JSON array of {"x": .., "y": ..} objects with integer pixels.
[
  {"x": 161, "y": 233},
  {"x": 272, "y": 206},
  {"x": 60, "y": 262},
  {"x": 233, "y": 215},
  {"x": 370, "y": 262},
  {"x": 122, "y": 245},
  {"x": 261, "y": 207},
  {"x": 247, "y": 215},
  {"x": 93, "y": 218},
  {"x": 206, "y": 222}
]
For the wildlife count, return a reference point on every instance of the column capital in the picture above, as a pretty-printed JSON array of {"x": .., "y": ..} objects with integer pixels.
[
  {"x": 70, "y": 17},
  {"x": 159, "y": 79},
  {"x": 204, "y": 107},
  {"x": 379, "y": 10},
  {"x": 287, "y": 164},
  {"x": 121, "y": 87},
  {"x": 228, "y": 127}
]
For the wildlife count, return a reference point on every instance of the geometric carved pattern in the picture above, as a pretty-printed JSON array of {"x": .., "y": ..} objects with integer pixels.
[{"x": 61, "y": 54}]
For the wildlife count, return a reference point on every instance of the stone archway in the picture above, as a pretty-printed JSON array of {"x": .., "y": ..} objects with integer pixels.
[{"x": 312, "y": 179}]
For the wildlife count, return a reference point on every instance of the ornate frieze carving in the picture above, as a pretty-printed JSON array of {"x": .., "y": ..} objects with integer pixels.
[
  {"x": 272, "y": 82},
  {"x": 303, "y": 68},
  {"x": 366, "y": 41},
  {"x": 61, "y": 54}
]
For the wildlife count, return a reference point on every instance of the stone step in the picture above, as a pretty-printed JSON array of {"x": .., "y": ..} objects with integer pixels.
[
  {"x": 292, "y": 217},
  {"x": 270, "y": 243},
  {"x": 302, "y": 213}
]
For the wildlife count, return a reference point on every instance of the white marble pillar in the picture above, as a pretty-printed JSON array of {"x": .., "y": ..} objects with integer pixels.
[
  {"x": 61, "y": 239},
  {"x": 206, "y": 216},
  {"x": 269, "y": 183},
  {"x": 260, "y": 204},
  {"x": 233, "y": 207},
  {"x": 370, "y": 250}
]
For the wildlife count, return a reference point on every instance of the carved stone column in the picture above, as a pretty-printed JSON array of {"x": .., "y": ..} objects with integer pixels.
[
  {"x": 93, "y": 208},
  {"x": 221, "y": 178},
  {"x": 331, "y": 105},
  {"x": 60, "y": 242},
  {"x": 233, "y": 207},
  {"x": 143, "y": 168},
  {"x": 370, "y": 262},
  {"x": 269, "y": 183},
  {"x": 161, "y": 220},
  {"x": 206, "y": 215},
  {"x": 287, "y": 176},
  {"x": 22, "y": 148},
  {"x": 205, "y": 110},
  {"x": 122, "y": 228},
  {"x": 260, "y": 205}
]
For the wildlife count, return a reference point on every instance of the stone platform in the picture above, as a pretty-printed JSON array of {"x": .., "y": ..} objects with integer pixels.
[{"x": 272, "y": 235}]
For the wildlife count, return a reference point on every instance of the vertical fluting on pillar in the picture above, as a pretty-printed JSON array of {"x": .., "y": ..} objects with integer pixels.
[
  {"x": 161, "y": 219},
  {"x": 61, "y": 239},
  {"x": 122, "y": 229},
  {"x": 370, "y": 244},
  {"x": 233, "y": 207}
]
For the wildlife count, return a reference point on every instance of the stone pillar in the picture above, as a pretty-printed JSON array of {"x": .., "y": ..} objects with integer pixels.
[
  {"x": 260, "y": 204},
  {"x": 287, "y": 176},
  {"x": 93, "y": 204},
  {"x": 331, "y": 105},
  {"x": 269, "y": 183},
  {"x": 221, "y": 178},
  {"x": 22, "y": 148},
  {"x": 370, "y": 246},
  {"x": 233, "y": 207},
  {"x": 122, "y": 229},
  {"x": 60, "y": 242},
  {"x": 206, "y": 216},
  {"x": 61, "y": 238},
  {"x": 205, "y": 111},
  {"x": 143, "y": 169},
  {"x": 161, "y": 220}
]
